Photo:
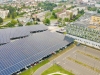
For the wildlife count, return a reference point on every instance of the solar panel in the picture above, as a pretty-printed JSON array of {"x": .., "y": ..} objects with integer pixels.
[
  {"x": 18, "y": 32},
  {"x": 16, "y": 55}
]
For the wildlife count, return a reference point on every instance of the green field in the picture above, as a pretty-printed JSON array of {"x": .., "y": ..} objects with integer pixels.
[
  {"x": 33, "y": 69},
  {"x": 56, "y": 68}
]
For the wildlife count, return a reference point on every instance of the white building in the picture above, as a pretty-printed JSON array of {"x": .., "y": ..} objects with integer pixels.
[
  {"x": 81, "y": 8},
  {"x": 97, "y": 5},
  {"x": 85, "y": 41},
  {"x": 3, "y": 13}
]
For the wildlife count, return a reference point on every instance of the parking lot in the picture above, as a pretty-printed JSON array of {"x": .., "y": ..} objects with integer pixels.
[
  {"x": 83, "y": 61},
  {"x": 80, "y": 60}
]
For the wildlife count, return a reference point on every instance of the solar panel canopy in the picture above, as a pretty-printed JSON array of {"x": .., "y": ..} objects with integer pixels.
[
  {"x": 16, "y": 55},
  {"x": 17, "y": 32}
]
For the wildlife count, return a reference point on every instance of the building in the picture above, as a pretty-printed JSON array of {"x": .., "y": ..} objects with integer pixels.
[
  {"x": 3, "y": 13},
  {"x": 74, "y": 11},
  {"x": 40, "y": 16},
  {"x": 95, "y": 19},
  {"x": 63, "y": 14},
  {"x": 81, "y": 8},
  {"x": 97, "y": 5},
  {"x": 84, "y": 35}
]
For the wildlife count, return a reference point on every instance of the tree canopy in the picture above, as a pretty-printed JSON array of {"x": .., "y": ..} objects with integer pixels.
[
  {"x": 47, "y": 5},
  {"x": 1, "y": 20},
  {"x": 92, "y": 8},
  {"x": 98, "y": 11},
  {"x": 46, "y": 21}
]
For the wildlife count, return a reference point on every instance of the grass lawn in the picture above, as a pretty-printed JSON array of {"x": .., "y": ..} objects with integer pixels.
[
  {"x": 7, "y": 19},
  {"x": 56, "y": 68},
  {"x": 33, "y": 69}
]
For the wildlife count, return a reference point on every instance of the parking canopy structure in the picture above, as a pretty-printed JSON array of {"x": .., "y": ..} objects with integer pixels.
[
  {"x": 18, "y": 32},
  {"x": 16, "y": 55}
]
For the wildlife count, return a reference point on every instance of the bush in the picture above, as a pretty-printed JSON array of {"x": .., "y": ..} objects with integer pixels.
[
  {"x": 29, "y": 23},
  {"x": 46, "y": 21},
  {"x": 1, "y": 20}
]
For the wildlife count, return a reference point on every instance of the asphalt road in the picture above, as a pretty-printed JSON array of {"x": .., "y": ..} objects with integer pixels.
[{"x": 69, "y": 65}]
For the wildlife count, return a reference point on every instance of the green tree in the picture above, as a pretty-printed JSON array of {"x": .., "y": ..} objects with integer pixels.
[
  {"x": 71, "y": 16},
  {"x": 14, "y": 15},
  {"x": 19, "y": 24},
  {"x": 66, "y": 19},
  {"x": 1, "y": 20},
  {"x": 46, "y": 21},
  {"x": 8, "y": 16},
  {"x": 10, "y": 24},
  {"x": 35, "y": 22},
  {"x": 47, "y": 5},
  {"x": 14, "y": 22},
  {"x": 98, "y": 11},
  {"x": 55, "y": 16},
  {"x": 60, "y": 20},
  {"x": 29, "y": 23}
]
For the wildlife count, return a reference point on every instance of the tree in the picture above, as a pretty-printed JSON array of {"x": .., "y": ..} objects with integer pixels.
[
  {"x": 46, "y": 21},
  {"x": 1, "y": 20},
  {"x": 8, "y": 15},
  {"x": 53, "y": 13},
  {"x": 81, "y": 12},
  {"x": 60, "y": 20},
  {"x": 35, "y": 22},
  {"x": 19, "y": 24},
  {"x": 29, "y": 23},
  {"x": 66, "y": 19},
  {"x": 10, "y": 24},
  {"x": 14, "y": 15},
  {"x": 13, "y": 22},
  {"x": 98, "y": 11},
  {"x": 71, "y": 16},
  {"x": 47, "y": 5}
]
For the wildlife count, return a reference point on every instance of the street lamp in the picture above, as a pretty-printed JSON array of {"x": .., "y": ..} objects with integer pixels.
[
  {"x": 94, "y": 65},
  {"x": 85, "y": 49},
  {"x": 76, "y": 55}
]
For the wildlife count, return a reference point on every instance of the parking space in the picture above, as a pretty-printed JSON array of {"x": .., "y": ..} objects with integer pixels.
[{"x": 92, "y": 65}]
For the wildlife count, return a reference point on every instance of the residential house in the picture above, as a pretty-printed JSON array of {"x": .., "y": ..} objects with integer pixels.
[
  {"x": 95, "y": 19},
  {"x": 3, "y": 13},
  {"x": 40, "y": 16},
  {"x": 64, "y": 14}
]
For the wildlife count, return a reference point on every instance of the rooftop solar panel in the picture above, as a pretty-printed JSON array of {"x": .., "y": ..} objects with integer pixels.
[{"x": 18, "y": 54}]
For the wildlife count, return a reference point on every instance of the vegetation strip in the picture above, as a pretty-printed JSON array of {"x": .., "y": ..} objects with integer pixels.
[
  {"x": 83, "y": 64},
  {"x": 89, "y": 55},
  {"x": 56, "y": 68}
]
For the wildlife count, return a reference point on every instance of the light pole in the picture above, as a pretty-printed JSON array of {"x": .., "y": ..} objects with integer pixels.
[
  {"x": 76, "y": 55},
  {"x": 94, "y": 65},
  {"x": 85, "y": 48}
]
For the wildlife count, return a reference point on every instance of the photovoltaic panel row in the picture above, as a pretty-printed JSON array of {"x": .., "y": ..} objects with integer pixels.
[
  {"x": 16, "y": 55},
  {"x": 17, "y": 32}
]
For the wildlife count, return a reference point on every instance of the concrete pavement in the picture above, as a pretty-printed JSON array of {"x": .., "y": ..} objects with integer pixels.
[{"x": 77, "y": 69}]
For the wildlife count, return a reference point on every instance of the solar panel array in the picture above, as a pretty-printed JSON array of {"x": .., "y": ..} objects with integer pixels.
[
  {"x": 16, "y": 55},
  {"x": 9, "y": 33}
]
